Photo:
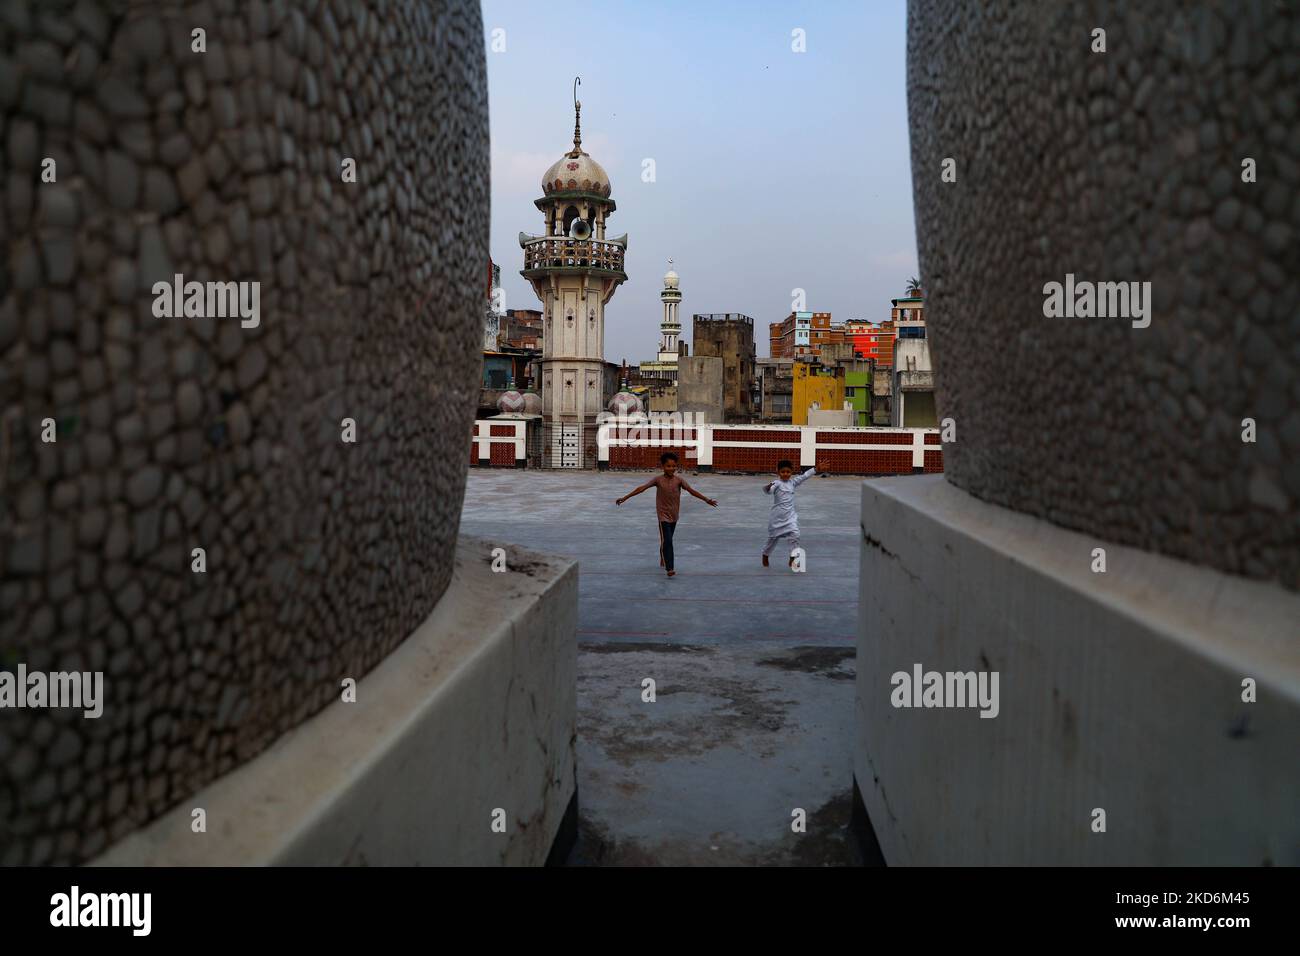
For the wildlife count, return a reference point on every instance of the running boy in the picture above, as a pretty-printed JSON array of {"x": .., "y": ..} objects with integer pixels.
[
  {"x": 668, "y": 498},
  {"x": 784, "y": 521}
]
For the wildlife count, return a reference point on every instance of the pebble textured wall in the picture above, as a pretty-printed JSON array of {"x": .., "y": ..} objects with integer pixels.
[
  {"x": 1118, "y": 166},
  {"x": 183, "y": 433}
]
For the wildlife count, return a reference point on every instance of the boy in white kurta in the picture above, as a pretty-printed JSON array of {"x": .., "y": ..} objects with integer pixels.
[{"x": 784, "y": 520}]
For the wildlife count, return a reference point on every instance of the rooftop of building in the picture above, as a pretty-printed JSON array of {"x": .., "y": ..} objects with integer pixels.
[
  {"x": 662, "y": 782},
  {"x": 722, "y": 317}
]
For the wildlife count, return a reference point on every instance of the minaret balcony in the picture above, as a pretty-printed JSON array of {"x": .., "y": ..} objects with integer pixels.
[{"x": 560, "y": 252}]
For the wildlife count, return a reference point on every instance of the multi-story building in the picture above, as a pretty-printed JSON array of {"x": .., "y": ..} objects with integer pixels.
[
  {"x": 913, "y": 373},
  {"x": 802, "y": 335},
  {"x": 882, "y": 396},
  {"x": 792, "y": 337},
  {"x": 776, "y": 389},
  {"x": 908, "y": 316},
  {"x": 858, "y": 374},
  {"x": 780, "y": 339},
  {"x": 872, "y": 340},
  {"x": 730, "y": 337},
  {"x": 823, "y": 332},
  {"x": 521, "y": 329},
  {"x": 491, "y": 317}
]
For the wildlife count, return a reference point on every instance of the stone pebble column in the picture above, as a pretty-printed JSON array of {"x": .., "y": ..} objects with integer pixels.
[
  {"x": 1123, "y": 165},
  {"x": 181, "y": 433}
]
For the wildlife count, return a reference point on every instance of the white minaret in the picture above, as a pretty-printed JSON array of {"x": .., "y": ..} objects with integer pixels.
[
  {"x": 670, "y": 329},
  {"x": 574, "y": 270}
]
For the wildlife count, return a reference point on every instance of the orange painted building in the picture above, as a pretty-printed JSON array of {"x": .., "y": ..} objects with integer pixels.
[
  {"x": 872, "y": 340},
  {"x": 823, "y": 332}
]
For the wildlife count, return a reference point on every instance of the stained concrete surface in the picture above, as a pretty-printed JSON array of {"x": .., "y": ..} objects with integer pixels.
[{"x": 753, "y": 667}]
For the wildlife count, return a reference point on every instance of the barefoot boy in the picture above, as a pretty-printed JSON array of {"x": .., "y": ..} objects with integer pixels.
[
  {"x": 784, "y": 521},
  {"x": 668, "y": 498}
]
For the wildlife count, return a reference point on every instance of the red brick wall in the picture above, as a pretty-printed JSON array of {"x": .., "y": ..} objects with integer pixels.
[
  {"x": 741, "y": 434},
  {"x": 752, "y": 459},
  {"x": 867, "y": 462},
  {"x": 849, "y": 438},
  {"x": 646, "y": 458},
  {"x": 641, "y": 433}
]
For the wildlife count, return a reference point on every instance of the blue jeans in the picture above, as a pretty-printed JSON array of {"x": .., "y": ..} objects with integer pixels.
[{"x": 666, "y": 529}]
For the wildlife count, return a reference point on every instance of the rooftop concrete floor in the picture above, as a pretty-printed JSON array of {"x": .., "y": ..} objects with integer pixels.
[{"x": 753, "y": 666}]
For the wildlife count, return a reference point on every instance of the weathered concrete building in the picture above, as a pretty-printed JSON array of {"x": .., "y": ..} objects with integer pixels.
[
  {"x": 491, "y": 317},
  {"x": 912, "y": 396},
  {"x": 700, "y": 387},
  {"x": 522, "y": 329},
  {"x": 730, "y": 337},
  {"x": 776, "y": 387},
  {"x": 882, "y": 396}
]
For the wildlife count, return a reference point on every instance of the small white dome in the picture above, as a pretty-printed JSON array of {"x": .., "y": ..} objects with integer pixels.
[
  {"x": 670, "y": 279},
  {"x": 510, "y": 401},
  {"x": 625, "y": 404}
]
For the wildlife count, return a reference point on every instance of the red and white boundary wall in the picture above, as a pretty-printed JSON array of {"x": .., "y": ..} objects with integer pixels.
[
  {"x": 758, "y": 448},
  {"x": 637, "y": 443},
  {"x": 499, "y": 444}
]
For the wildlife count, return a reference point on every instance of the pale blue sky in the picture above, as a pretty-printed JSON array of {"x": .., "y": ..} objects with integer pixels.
[{"x": 775, "y": 169}]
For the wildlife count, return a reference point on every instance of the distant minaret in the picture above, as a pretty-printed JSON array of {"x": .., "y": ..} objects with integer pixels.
[{"x": 670, "y": 329}]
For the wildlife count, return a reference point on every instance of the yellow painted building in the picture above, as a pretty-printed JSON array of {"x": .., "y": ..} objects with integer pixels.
[{"x": 814, "y": 385}]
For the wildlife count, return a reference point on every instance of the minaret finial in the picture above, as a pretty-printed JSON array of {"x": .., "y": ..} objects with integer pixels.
[{"x": 577, "y": 117}]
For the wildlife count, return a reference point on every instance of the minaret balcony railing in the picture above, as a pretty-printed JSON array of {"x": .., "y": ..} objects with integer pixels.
[{"x": 558, "y": 252}]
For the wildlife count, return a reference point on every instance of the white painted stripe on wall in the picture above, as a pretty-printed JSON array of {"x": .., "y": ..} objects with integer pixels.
[{"x": 484, "y": 438}]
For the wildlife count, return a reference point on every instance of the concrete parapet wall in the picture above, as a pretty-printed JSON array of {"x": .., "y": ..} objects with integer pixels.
[
  {"x": 847, "y": 450},
  {"x": 475, "y": 711},
  {"x": 1119, "y": 690}
]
